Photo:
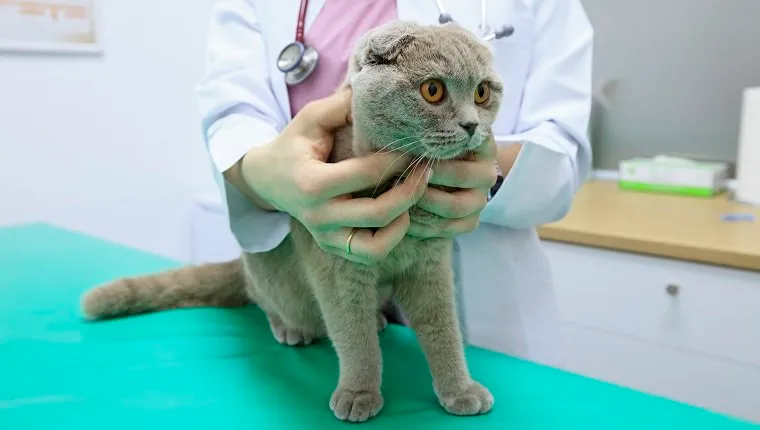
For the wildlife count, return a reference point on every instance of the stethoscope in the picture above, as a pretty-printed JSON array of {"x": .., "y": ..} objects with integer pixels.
[{"x": 297, "y": 60}]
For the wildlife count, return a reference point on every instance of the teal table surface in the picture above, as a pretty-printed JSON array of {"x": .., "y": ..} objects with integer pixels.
[{"x": 221, "y": 368}]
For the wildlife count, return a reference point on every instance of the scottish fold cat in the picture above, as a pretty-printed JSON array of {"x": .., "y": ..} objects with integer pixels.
[{"x": 426, "y": 90}]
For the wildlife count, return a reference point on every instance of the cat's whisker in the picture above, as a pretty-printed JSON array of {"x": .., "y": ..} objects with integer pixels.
[
  {"x": 396, "y": 141},
  {"x": 428, "y": 161},
  {"x": 409, "y": 168},
  {"x": 404, "y": 146},
  {"x": 400, "y": 139},
  {"x": 413, "y": 165},
  {"x": 382, "y": 177}
]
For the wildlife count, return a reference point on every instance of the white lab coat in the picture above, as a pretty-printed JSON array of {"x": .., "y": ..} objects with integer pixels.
[{"x": 503, "y": 276}]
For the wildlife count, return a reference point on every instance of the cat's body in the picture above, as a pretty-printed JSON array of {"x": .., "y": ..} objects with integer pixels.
[{"x": 308, "y": 293}]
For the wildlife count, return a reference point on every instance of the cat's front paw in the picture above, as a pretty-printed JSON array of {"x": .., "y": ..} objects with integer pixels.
[
  {"x": 355, "y": 406},
  {"x": 473, "y": 400}
]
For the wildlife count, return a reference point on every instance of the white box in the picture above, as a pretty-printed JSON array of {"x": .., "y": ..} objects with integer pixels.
[{"x": 673, "y": 175}]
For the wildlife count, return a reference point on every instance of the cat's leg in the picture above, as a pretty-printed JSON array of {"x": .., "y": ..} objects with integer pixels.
[
  {"x": 295, "y": 318},
  {"x": 347, "y": 297},
  {"x": 284, "y": 296},
  {"x": 382, "y": 321},
  {"x": 288, "y": 336},
  {"x": 384, "y": 297},
  {"x": 426, "y": 293}
]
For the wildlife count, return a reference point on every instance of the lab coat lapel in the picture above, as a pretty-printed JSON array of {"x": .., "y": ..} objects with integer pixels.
[{"x": 285, "y": 15}]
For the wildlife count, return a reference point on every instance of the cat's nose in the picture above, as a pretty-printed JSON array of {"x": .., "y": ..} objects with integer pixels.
[{"x": 469, "y": 126}]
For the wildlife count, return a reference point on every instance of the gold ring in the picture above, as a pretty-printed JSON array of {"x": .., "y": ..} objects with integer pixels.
[{"x": 348, "y": 241}]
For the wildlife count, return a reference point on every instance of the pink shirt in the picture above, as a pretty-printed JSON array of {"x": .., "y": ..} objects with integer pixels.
[{"x": 333, "y": 34}]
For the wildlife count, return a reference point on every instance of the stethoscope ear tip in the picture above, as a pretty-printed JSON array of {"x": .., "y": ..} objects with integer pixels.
[
  {"x": 501, "y": 32},
  {"x": 505, "y": 31},
  {"x": 444, "y": 18}
]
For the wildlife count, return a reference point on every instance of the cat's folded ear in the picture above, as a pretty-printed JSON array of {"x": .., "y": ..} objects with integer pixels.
[{"x": 384, "y": 44}]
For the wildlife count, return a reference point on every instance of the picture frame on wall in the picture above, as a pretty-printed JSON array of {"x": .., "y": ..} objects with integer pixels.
[{"x": 51, "y": 26}]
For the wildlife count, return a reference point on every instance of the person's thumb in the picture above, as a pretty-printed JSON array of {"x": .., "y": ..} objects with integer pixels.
[{"x": 333, "y": 111}]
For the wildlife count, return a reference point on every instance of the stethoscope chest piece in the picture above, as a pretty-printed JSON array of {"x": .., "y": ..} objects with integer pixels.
[{"x": 297, "y": 61}]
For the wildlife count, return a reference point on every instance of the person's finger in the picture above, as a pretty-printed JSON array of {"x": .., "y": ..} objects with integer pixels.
[
  {"x": 334, "y": 242},
  {"x": 464, "y": 174},
  {"x": 450, "y": 228},
  {"x": 372, "y": 212},
  {"x": 351, "y": 257},
  {"x": 328, "y": 180},
  {"x": 487, "y": 150},
  {"x": 455, "y": 204},
  {"x": 378, "y": 244},
  {"x": 425, "y": 231},
  {"x": 331, "y": 112},
  {"x": 367, "y": 246}
]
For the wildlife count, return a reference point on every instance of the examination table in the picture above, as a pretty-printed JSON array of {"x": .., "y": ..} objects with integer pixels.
[{"x": 221, "y": 368}]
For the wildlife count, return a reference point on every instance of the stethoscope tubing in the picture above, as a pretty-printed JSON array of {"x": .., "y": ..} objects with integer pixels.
[{"x": 292, "y": 72}]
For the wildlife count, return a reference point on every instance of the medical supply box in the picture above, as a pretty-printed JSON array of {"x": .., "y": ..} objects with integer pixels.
[{"x": 673, "y": 175}]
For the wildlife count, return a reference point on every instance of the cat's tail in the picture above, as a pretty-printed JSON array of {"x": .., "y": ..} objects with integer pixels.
[{"x": 206, "y": 285}]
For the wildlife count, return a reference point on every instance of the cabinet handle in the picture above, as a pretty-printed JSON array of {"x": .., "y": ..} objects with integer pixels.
[{"x": 672, "y": 289}]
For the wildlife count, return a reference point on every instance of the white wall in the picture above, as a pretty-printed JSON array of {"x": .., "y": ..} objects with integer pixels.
[{"x": 112, "y": 145}]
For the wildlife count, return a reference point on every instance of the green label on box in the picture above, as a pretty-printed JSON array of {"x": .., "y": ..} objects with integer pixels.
[{"x": 663, "y": 188}]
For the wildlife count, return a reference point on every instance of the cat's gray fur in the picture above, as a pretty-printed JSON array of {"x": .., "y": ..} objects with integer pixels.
[{"x": 308, "y": 293}]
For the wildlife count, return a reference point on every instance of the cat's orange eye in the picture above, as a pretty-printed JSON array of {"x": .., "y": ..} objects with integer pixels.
[
  {"x": 482, "y": 93},
  {"x": 432, "y": 90}
]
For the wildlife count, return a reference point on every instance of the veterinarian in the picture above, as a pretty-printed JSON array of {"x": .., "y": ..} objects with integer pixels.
[{"x": 268, "y": 140}]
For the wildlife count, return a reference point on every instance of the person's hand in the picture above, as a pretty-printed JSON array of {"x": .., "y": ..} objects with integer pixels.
[
  {"x": 291, "y": 174},
  {"x": 448, "y": 214}
]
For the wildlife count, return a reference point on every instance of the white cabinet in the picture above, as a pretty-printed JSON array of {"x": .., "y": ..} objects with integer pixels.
[
  {"x": 682, "y": 330},
  {"x": 696, "y": 342},
  {"x": 718, "y": 385}
]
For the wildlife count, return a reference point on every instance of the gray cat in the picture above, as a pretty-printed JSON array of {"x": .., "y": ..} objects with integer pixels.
[{"x": 430, "y": 90}]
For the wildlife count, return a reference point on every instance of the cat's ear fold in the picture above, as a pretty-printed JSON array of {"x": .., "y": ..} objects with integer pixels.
[{"x": 385, "y": 43}]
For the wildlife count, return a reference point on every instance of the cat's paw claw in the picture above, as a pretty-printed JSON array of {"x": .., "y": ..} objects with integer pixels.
[
  {"x": 474, "y": 400},
  {"x": 287, "y": 336},
  {"x": 355, "y": 406}
]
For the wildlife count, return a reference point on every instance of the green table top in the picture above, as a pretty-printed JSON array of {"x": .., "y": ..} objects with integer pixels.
[{"x": 220, "y": 368}]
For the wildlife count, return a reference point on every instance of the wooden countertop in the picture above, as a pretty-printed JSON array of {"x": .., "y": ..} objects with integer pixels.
[{"x": 685, "y": 228}]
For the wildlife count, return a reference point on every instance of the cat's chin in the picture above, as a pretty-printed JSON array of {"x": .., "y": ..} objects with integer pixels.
[{"x": 456, "y": 150}]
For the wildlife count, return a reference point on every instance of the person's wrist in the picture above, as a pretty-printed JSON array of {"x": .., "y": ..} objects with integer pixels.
[
  {"x": 244, "y": 175},
  {"x": 506, "y": 156},
  {"x": 249, "y": 167}
]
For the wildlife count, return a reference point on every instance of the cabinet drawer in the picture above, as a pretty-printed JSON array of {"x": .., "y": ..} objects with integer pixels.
[
  {"x": 710, "y": 383},
  {"x": 706, "y": 309}
]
